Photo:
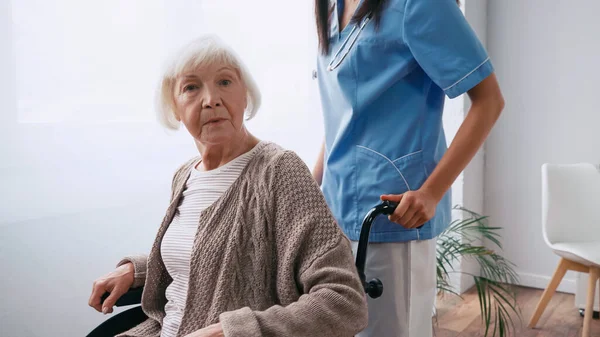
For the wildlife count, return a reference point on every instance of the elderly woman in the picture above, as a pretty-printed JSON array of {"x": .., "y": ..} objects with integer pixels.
[{"x": 248, "y": 246}]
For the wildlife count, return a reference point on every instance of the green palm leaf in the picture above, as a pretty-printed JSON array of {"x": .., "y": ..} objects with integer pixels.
[{"x": 497, "y": 299}]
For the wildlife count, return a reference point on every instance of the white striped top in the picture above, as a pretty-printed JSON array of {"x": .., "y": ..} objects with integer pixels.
[{"x": 202, "y": 189}]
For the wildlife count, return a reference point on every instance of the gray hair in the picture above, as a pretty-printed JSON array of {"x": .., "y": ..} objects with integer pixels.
[{"x": 207, "y": 49}]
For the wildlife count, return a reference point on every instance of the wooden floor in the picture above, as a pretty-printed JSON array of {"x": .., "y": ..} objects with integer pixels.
[{"x": 460, "y": 317}]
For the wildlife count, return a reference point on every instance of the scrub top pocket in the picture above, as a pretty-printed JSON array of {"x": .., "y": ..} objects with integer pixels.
[{"x": 377, "y": 175}]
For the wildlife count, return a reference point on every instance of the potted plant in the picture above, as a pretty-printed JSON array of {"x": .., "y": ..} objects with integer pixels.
[{"x": 497, "y": 298}]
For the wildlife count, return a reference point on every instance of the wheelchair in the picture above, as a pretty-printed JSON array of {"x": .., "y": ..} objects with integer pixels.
[{"x": 130, "y": 318}]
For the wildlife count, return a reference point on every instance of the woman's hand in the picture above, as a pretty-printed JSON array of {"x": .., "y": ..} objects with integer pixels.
[
  {"x": 215, "y": 330},
  {"x": 116, "y": 283},
  {"x": 414, "y": 207}
]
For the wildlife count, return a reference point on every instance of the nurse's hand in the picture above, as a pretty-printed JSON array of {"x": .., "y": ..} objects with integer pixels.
[{"x": 414, "y": 207}]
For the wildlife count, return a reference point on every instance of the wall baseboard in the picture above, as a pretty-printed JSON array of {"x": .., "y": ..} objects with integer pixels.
[{"x": 567, "y": 285}]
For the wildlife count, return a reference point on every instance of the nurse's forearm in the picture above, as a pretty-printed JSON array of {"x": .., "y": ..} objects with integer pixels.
[
  {"x": 487, "y": 103},
  {"x": 318, "y": 170}
]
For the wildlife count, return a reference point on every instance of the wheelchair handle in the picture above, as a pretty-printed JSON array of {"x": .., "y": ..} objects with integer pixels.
[{"x": 373, "y": 288}]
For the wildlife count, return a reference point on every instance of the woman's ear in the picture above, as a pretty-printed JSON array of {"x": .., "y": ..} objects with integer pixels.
[
  {"x": 174, "y": 107},
  {"x": 246, "y": 100},
  {"x": 175, "y": 114}
]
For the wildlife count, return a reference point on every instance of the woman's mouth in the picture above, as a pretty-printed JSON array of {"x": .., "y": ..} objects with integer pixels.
[{"x": 215, "y": 121}]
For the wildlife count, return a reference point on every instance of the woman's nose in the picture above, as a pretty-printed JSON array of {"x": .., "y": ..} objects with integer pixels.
[
  {"x": 208, "y": 105},
  {"x": 211, "y": 99}
]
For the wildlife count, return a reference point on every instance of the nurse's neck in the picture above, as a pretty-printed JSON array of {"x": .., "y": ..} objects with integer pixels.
[{"x": 350, "y": 7}]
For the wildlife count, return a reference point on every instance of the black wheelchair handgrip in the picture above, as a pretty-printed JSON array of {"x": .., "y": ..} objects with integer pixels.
[
  {"x": 131, "y": 297},
  {"x": 373, "y": 288}
]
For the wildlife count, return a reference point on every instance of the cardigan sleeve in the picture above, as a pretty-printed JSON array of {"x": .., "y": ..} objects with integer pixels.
[
  {"x": 139, "y": 268},
  {"x": 314, "y": 249}
]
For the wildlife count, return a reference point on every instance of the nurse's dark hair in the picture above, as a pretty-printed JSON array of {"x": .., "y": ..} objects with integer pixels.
[{"x": 323, "y": 11}]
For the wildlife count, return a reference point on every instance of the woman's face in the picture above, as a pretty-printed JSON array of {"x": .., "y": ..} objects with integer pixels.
[{"x": 210, "y": 102}]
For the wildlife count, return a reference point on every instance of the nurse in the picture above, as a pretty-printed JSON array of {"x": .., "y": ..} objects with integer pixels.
[{"x": 384, "y": 70}]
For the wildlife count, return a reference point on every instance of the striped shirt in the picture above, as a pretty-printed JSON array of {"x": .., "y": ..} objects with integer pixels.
[{"x": 202, "y": 189}]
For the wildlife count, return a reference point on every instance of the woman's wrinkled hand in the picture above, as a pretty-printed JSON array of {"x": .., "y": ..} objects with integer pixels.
[
  {"x": 116, "y": 283},
  {"x": 215, "y": 330},
  {"x": 414, "y": 208}
]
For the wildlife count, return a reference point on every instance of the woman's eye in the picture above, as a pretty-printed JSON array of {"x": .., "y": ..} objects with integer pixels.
[
  {"x": 225, "y": 82},
  {"x": 190, "y": 87}
]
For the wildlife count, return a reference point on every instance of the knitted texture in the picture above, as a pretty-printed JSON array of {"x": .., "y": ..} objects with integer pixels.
[{"x": 268, "y": 259}]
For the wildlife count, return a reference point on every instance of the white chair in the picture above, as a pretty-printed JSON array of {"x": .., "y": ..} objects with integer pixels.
[{"x": 571, "y": 227}]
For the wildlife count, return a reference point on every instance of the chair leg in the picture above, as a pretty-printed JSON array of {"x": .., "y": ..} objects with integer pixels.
[
  {"x": 559, "y": 273},
  {"x": 589, "y": 308}
]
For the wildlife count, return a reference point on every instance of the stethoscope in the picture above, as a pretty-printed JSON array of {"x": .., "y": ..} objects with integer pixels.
[{"x": 335, "y": 62}]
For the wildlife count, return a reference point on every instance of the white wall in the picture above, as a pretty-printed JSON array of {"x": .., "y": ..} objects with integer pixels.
[
  {"x": 546, "y": 55},
  {"x": 476, "y": 14},
  {"x": 473, "y": 176},
  {"x": 467, "y": 190}
]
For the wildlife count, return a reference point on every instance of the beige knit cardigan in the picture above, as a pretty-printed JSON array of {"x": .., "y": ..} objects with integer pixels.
[{"x": 268, "y": 259}]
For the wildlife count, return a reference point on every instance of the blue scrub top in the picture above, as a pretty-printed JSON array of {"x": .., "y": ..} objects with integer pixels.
[{"x": 382, "y": 96}]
